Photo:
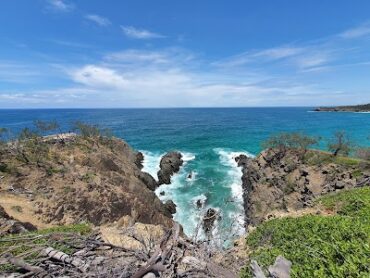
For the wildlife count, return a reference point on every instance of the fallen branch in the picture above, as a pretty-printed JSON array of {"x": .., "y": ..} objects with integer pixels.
[
  {"x": 63, "y": 257},
  {"x": 22, "y": 264},
  {"x": 163, "y": 251}
]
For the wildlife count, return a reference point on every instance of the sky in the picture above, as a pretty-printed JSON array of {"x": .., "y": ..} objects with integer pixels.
[{"x": 165, "y": 53}]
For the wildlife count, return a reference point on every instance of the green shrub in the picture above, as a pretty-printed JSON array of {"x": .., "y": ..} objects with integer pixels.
[
  {"x": 354, "y": 203},
  {"x": 319, "y": 246}
]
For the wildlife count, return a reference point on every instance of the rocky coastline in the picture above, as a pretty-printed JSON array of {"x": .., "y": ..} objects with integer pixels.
[
  {"x": 278, "y": 182},
  {"x": 349, "y": 108},
  {"x": 91, "y": 193}
]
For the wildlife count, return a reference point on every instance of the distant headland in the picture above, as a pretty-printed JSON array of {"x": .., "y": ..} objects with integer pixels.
[{"x": 349, "y": 108}]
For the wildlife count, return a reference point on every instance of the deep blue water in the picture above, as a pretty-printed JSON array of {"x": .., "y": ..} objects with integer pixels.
[{"x": 209, "y": 139}]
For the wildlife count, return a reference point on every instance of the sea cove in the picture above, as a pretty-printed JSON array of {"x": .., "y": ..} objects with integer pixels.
[{"x": 209, "y": 140}]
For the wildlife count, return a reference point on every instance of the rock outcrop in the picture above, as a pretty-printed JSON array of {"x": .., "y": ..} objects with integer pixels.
[
  {"x": 276, "y": 182},
  {"x": 82, "y": 180},
  {"x": 170, "y": 164},
  {"x": 209, "y": 219},
  {"x": 9, "y": 225},
  {"x": 170, "y": 206}
]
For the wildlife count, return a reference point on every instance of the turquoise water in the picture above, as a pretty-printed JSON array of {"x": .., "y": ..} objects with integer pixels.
[{"x": 209, "y": 140}]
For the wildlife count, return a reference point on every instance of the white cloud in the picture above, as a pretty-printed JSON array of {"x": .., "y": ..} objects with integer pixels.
[
  {"x": 101, "y": 21},
  {"x": 60, "y": 5},
  {"x": 357, "y": 32},
  {"x": 265, "y": 55},
  {"x": 279, "y": 52},
  {"x": 99, "y": 77},
  {"x": 143, "y": 34},
  {"x": 312, "y": 60}
]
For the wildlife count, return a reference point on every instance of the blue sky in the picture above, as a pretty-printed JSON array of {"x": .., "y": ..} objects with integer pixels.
[{"x": 70, "y": 53}]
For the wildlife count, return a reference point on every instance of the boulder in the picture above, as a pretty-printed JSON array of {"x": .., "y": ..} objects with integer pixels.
[
  {"x": 209, "y": 220},
  {"x": 170, "y": 164},
  {"x": 170, "y": 206},
  {"x": 139, "y": 160},
  {"x": 148, "y": 180},
  {"x": 242, "y": 160}
]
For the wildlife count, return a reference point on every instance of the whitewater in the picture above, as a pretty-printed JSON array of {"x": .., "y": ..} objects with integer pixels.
[{"x": 215, "y": 183}]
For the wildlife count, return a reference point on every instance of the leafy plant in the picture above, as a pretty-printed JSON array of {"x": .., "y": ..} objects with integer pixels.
[{"x": 319, "y": 246}]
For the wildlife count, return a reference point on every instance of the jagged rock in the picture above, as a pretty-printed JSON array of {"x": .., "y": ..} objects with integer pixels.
[
  {"x": 190, "y": 175},
  {"x": 242, "y": 160},
  {"x": 139, "y": 160},
  {"x": 281, "y": 268},
  {"x": 170, "y": 164},
  {"x": 209, "y": 220},
  {"x": 170, "y": 206},
  {"x": 268, "y": 186},
  {"x": 199, "y": 203},
  {"x": 257, "y": 272},
  {"x": 148, "y": 180},
  {"x": 95, "y": 183}
]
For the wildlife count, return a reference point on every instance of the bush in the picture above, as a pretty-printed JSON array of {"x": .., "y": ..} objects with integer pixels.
[
  {"x": 284, "y": 141},
  {"x": 340, "y": 144},
  {"x": 319, "y": 246},
  {"x": 354, "y": 202}
]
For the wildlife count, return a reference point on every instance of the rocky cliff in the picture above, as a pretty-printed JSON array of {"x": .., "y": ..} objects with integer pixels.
[
  {"x": 279, "y": 182},
  {"x": 80, "y": 179}
]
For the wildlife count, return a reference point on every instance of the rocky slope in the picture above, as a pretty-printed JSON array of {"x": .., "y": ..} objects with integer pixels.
[
  {"x": 275, "y": 183},
  {"x": 98, "y": 181}
]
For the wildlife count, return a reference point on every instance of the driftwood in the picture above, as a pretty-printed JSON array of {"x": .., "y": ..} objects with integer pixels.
[
  {"x": 163, "y": 252},
  {"x": 63, "y": 257},
  {"x": 22, "y": 264}
]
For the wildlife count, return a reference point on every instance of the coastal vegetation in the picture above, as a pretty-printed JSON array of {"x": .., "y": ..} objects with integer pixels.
[
  {"x": 65, "y": 180},
  {"x": 334, "y": 244}
]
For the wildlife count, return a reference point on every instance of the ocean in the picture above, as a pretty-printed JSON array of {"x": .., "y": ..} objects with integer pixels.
[{"x": 209, "y": 139}]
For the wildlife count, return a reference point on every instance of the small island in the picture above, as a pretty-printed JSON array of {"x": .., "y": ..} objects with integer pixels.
[{"x": 349, "y": 108}]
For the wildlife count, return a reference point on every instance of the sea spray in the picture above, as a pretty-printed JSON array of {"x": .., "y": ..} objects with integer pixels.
[
  {"x": 151, "y": 162},
  {"x": 209, "y": 179}
]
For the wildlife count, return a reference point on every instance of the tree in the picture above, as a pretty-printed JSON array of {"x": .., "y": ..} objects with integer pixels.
[
  {"x": 46, "y": 126},
  {"x": 86, "y": 130},
  {"x": 341, "y": 144},
  {"x": 284, "y": 141}
]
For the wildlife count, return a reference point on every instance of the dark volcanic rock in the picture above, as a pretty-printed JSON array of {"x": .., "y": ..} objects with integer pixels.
[
  {"x": 209, "y": 220},
  {"x": 242, "y": 160},
  {"x": 170, "y": 206},
  {"x": 139, "y": 160},
  {"x": 276, "y": 181},
  {"x": 148, "y": 180},
  {"x": 170, "y": 164}
]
